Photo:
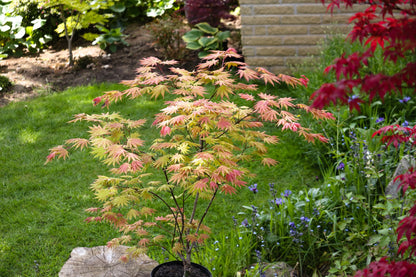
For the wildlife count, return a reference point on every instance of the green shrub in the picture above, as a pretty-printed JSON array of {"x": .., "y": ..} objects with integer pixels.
[
  {"x": 5, "y": 84},
  {"x": 23, "y": 27},
  {"x": 167, "y": 34}
]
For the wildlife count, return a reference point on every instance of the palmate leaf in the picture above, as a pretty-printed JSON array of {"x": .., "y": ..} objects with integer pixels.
[
  {"x": 269, "y": 162},
  {"x": 162, "y": 161},
  {"x": 132, "y": 214},
  {"x": 159, "y": 90},
  {"x": 120, "y": 201},
  {"x": 224, "y": 91}
]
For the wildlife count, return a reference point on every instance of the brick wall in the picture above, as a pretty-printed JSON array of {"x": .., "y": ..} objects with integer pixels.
[{"x": 277, "y": 33}]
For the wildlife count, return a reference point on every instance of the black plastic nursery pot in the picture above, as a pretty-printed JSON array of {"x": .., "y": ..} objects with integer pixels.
[{"x": 175, "y": 269}]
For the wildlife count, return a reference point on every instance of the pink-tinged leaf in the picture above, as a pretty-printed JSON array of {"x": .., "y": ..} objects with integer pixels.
[
  {"x": 267, "y": 76},
  {"x": 247, "y": 97},
  {"x": 144, "y": 242},
  {"x": 150, "y": 61},
  {"x": 133, "y": 92},
  {"x": 59, "y": 152},
  {"x": 78, "y": 143},
  {"x": 288, "y": 125},
  {"x": 134, "y": 143},
  {"x": 204, "y": 120},
  {"x": 136, "y": 166},
  {"x": 224, "y": 123},
  {"x": 204, "y": 156},
  {"x": 292, "y": 81},
  {"x": 269, "y": 162},
  {"x": 155, "y": 80},
  {"x": 201, "y": 185},
  {"x": 247, "y": 73},
  {"x": 122, "y": 169},
  {"x": 213, "y": 185},
  {"x": 227, "y": 189},
  {"x": 174, "y": 168},
  {"x": 165, "y": 130},
  {"x": 304, "y": 80},
  {"x": 222, "y": 170},
  {"x": 178, "y": 120},
  {"x": 234, "y": 175},
  {"x": 207, "y": 64},
  {"x": 266, "y": 96}
]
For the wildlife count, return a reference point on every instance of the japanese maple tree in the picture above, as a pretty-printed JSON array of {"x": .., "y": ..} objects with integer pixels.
[
  {"x": 389, "y": 25},
  {"x": 204, "y": 142}
]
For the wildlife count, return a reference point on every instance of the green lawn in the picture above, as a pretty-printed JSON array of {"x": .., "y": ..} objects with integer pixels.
[{"x": 42, "y": 206}]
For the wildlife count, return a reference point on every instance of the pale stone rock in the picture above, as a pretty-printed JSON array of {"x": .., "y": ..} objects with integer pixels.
[
  {"x": 103, "y": 261},
  {"x": 404, "y": 165},
  {"x": 278, "y": 269}
]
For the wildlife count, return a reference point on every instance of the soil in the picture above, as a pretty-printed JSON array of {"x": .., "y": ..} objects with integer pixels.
[{"x": 49, "y": 70}]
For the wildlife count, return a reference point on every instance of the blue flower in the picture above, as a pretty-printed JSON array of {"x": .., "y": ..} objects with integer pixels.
[
  {"x": 380, "y": 119},
  {"x": 279, "y": 201},
  {"x": 245, "y": 223},
  {"x": 287, "y": 193},
  {"x": 405, "y": 123},
  {"x": 253, "y": 188},
  {"x": 341, "y": 166},
  {"x": 405, "y": 99}
]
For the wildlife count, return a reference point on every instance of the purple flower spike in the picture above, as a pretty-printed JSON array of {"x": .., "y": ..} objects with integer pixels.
[{"x": 341, "y": 166}]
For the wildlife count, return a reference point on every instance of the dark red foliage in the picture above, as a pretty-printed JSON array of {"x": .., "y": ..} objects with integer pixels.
[
  {"x": 407, "y": 180},
  {"x": 388, "y": 268},
  {"x": 210, "y": 11},
  {"x": 390, "y": 24},
  {"x": 396, "y": 134}
]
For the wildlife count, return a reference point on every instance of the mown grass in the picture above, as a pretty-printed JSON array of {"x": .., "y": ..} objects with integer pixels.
[{"x": 42, "y": 206}]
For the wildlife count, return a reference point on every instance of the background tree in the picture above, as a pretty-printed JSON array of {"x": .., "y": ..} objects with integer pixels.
[{"x": 75, "y": 15}]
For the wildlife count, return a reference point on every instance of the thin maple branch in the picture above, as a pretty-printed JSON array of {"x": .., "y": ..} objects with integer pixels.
[{"x": 207, "y": 209}]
